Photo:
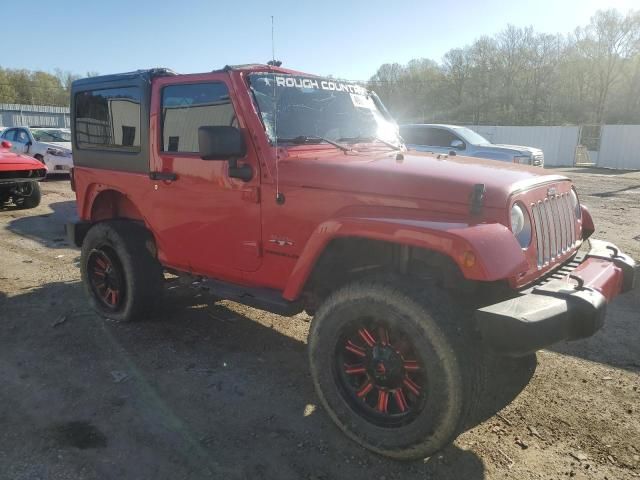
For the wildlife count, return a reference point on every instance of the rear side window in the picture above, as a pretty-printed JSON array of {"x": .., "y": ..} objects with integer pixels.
[
  {"x": 108, "y": 119},
  {"x": 185, "y": 108}
]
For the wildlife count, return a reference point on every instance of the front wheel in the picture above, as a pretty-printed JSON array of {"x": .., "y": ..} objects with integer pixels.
[
  {"x": 389, "y": 366},
  {"x": 28, "y": 195}
]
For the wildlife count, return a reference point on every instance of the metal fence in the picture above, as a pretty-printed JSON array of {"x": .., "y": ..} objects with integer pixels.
[
  {"x": 14, "y": 115},
  {"x": 620, "y": 147}
]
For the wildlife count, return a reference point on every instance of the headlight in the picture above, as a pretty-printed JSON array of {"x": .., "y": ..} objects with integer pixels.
[
  {"x": 57, "y": 152},
  {"x": 521, "y": 224},
  {"x": 575, "y": 204}
]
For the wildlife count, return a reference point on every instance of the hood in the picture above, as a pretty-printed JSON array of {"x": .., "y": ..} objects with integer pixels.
[
  {"x": 417, "y": 175},
  {"x": 10, "y": 161},
  {"x": 60, "y": 145},
  {"x": 517, "y": 148}
]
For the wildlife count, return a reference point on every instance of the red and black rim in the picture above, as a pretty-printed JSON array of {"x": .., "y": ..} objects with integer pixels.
[
  {"x": 379, "y": 373},
  {"x": 106, "y": 278}
]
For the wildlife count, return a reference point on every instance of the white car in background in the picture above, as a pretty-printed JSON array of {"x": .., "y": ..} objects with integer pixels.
[{"x": 52, "y": 146}]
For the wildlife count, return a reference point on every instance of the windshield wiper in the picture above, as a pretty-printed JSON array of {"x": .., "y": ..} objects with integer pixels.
[
  {"x": 313, "y": 139},
  {"x": 369, "y": 139}
]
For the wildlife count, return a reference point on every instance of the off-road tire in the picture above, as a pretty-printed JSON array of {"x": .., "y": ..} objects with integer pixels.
[
  {"x": 33, "y": 199},
  {"x": 453, "y": 360},
  {"x": 142, "y": 274}
]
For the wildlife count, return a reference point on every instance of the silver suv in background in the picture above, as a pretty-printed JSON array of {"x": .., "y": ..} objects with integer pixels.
[{"x": 452, "y": 139}]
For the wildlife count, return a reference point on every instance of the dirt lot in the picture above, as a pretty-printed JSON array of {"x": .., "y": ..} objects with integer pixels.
[{"x": 216, "y": 390}]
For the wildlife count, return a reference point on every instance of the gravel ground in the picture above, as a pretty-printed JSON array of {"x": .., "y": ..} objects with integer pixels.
[{"x": 218, "y": 390}]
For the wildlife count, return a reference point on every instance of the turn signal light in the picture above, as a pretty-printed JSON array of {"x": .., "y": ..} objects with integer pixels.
[{"x": 468, "y": 259}]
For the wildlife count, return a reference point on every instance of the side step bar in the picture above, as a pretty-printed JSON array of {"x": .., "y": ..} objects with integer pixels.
[{"x": 262, "y": 298}]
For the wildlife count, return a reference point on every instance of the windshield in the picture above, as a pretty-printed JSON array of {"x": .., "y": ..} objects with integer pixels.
[
  {"x": 471, "y": 137},
  {"x": 321, "y": 108},
  {"x": 51, "y": 135}
]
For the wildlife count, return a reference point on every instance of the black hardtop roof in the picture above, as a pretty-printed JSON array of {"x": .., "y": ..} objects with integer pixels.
[{"x": 147, "y": 74}]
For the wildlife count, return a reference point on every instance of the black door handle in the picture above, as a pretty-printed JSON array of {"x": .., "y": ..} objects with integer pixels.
[{"x": 163, "y": 176}]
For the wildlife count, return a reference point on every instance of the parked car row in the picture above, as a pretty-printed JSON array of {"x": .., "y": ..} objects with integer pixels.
[{"x": 50, "y": 146}]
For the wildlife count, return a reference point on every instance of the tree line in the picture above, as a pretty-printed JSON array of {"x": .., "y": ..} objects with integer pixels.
[
  {"x": 36, "y": 88},
  {"x": 523, "y": 77}
]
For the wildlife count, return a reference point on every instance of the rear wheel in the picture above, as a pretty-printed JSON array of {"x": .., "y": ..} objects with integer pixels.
[
  {"x": 391, "y": 368},
  {"x": 122, "y": 279}
]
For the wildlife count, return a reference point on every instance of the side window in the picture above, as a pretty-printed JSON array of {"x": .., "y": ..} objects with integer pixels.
[
  {"x": 187, "y": 107},
  {"x": 422, "y": 136},
  {"x": 9, "y": 134},
  {"x": 108, "y": 119},
  {"x": 21, "y": 136},
  {"x": 442, "y": 138}
]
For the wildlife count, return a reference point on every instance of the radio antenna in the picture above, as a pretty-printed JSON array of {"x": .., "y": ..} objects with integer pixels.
[{"x": 273, "y": 63}]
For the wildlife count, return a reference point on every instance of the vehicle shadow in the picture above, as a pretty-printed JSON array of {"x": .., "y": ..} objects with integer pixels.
[
  {"x": 56, "y": 177},
  {"x": 616, "y": 344},
  {"x": 615, "y": 193},
  {"x": 46, "y": 229},
  {"x": 507, "y": 378},
  {"x": 199, "y": 391}
]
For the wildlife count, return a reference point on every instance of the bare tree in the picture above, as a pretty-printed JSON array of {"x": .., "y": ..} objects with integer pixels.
[
  {"x": 606, "y": 43},
  {"x": 520, "y": 76}
]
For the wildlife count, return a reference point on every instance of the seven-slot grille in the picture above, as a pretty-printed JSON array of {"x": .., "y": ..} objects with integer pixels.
[{"x": 554, "y": 223}]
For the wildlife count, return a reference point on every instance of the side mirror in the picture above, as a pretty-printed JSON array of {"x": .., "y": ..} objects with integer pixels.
[
  {"x": 225, "y": 143},
  {"x": 220, "y": 143},
  {"x": 457, "y": 144}
]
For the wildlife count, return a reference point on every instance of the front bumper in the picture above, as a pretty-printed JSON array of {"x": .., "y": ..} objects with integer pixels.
[
  {"x": 569, "y": 305},
  {"x": 58, "y": 163},
  {"x": 21, "y": 176}
]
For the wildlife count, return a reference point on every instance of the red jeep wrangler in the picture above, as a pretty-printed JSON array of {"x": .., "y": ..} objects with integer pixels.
[
  {"x": 19, "y": 177},
  {"x": 290, "y": 192}
]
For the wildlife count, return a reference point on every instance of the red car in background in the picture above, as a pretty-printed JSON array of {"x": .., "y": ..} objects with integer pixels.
[{"x": 19, "y": 177}]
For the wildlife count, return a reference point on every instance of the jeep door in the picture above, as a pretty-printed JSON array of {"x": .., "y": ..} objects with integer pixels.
[{"x": 205, "y": 220}]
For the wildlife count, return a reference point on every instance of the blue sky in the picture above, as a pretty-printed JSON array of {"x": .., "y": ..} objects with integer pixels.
[{"x": 349, "y": 39}]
